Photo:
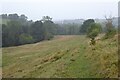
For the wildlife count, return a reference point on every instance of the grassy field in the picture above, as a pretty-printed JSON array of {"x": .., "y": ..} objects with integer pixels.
[{"x": 64, "y": 56}]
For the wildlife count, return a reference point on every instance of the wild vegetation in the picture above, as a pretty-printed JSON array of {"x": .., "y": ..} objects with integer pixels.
[
  {"x": 17, "y": 30},
  {"x": 63, "y": 56},
  {"x": 44, "y": 49}
]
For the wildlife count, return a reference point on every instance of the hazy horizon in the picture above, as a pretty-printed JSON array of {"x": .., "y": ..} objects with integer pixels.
[{"x": 60, "y": 9}]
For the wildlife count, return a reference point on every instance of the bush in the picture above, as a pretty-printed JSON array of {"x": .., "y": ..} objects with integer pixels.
[
  {"x": 93, "y": 32},
  {"x": 48, "y": 36},
  {"x": 25, "y": 39},
  {"x": 109, "y": 34}
]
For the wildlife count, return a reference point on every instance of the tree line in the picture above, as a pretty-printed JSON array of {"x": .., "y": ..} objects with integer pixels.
[
  {"x": 68, "y": 29},
  {"x": 18, "y": 30}
]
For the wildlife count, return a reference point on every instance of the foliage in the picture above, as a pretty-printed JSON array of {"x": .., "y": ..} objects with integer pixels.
[
  {"x": 46, "y": 18},
  {"x": 19, "y": 30},
  {"x": 14, "y": 26},
  {"x": 48, "y": 36},
  {"x": 49, "y": 27},
  {"x": 86, "y": 24},
  {"x": 110, "y": 29},
  {"x": 93, "y": 30},
  {"x": 67, "y": 29},
  {"x": 10, "y": 33},
  {"x": 25, "y": 39},
  {"x": 37, "y": 31},
  {"x": 110, "y": 33}
]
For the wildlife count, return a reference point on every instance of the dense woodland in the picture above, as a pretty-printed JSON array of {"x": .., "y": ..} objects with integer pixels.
[{"x": 17, "y": 30}]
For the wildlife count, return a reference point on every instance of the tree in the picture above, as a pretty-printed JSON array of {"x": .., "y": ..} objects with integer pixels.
[
  {"x": 23, "y": 19},
  {"x": 15, "y": 30},
  {"x": 4, "y": 35},
  {"x": 10, "y": 33},
  {"x": 93, "y": 31},
  {"x": 3, "y": 16},
  {"x": 37, "y": 31},
  {"x": 46, "y": 18},
  {"x": 18, "y": 30},
  {"x": 85, "y": 25},
  {"x": 25, "y": 39},
  {"x": 13, "y": 16},
  {"x": 49, "y": 27},
  {"x": 110, "y": 29}
]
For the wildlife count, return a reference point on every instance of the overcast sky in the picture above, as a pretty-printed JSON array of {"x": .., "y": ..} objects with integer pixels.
[{"x": 60, "y": 9}]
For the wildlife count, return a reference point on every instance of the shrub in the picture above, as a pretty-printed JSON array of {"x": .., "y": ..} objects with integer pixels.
[
  {"x": 93, "y": 32},
  {"x": 25, "y": 38},
  {"x": 48, "y": 36},
  {"x": 110, "y": 33}
]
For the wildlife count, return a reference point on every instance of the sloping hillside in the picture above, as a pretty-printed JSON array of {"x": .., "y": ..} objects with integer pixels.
[{"x": 64, "y": 56}]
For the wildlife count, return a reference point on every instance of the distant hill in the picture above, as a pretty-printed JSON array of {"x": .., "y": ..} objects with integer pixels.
[
  {"x": 80, "y": 21},
  {"x": 71, "y": 21}
]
